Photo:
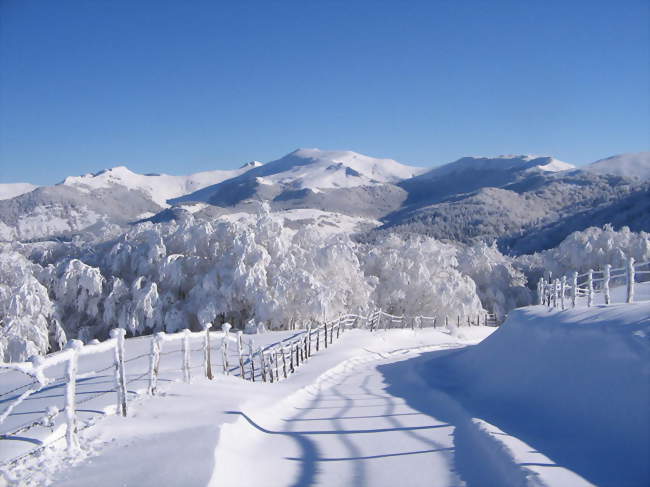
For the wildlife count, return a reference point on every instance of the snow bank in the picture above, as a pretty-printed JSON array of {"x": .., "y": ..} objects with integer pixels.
[{"x": 572, "y": 384}]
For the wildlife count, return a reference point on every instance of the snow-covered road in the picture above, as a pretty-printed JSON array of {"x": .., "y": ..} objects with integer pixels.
[
  {"x": 373, "y": 421},
  {"x": 348, "y": 430}
]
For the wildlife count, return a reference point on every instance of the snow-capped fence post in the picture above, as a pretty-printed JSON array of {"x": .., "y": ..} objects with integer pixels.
[
  {"x": 305, "y": 348},
  {"x": 120, "y": 374},
  {"x": 540, "y": 288},
  {"x": 317, "y": 338},
  {"x": 186, "y": 356},
  {"x": 606, "y": 277},
  {"x": 154, "y": 361},
  {"x": 331, "y": 333},
  {"x": 292, "y": 369},
  {"x": 554, "y": 293},
  {"x": 338, "y": 327},
  {"x": 574, "y": 289},
  {"x": 458, "y": 321},
  {"x": 562, "y": 290},
  {"x": 251, "y": 357},
  {"x": 224, "y": 347},
  {"x": 207, "y": 359},
  {"x": 630, "y": 280},
  {"x": 297, "y": 347},
  {"x": 590, "y": 287},
  {"x": 240, "y": 351},
  {"x": 275, "y": 360},
  {"x": 446, "y": 321},
  {"x": 70, "y": 396},
  {"x": 325, "y": 326}
]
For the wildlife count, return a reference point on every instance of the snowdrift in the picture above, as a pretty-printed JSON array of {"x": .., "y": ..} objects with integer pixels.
[{"x": 573, "y": 384}]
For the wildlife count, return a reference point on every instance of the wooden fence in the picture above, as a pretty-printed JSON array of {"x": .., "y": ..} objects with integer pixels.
[{"x": 560, "y": 292}]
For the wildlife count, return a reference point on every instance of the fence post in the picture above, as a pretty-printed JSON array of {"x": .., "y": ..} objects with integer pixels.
[
  {"x": 446, "y": 321},
  {"x": 297, "y": 346},
  {"x": 207, "y": 358},
  {"x": 574, "y": 289},
  {"x": 338, "y": 328},
  {"x": 251, "y": 357},
  {"x": 224, "y": 347},
  {"x": 70, "y": 396},
  {"x": 540, "y": 286},
  {"x": 607, "y": 277},
  {"x": 563, "y": 290},
  {"x": 630, "y": 280},
  {"x": 318, "y": 338},
  {"x": 590, "y": 287},
  {"x": 309, "y": 340},
  {"x": 120, "y": 375},
  {"x": 275, "y": 360},
  {"x": 154, "y": 361},
  {"x": 186, "y": 356},
  {"x": 260, "y": 353},
  {"x": 292, "y": 369},
  {"x": 284, "y": 361},
  {"x": 325, "y": 325},
  {"x": 240, "y": 351}
]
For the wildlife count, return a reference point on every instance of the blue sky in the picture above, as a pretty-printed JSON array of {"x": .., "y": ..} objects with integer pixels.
[{"x": 183, "y": 86}]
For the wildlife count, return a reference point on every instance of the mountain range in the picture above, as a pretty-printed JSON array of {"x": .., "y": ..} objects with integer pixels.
[{"x": 525, "y": 203}]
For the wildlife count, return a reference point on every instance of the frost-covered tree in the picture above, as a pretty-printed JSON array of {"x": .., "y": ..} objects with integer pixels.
[
  {"x": 500, "y": 286},
  {"x": 26, "y": 310},
  {"x": 417, "y": 275}
]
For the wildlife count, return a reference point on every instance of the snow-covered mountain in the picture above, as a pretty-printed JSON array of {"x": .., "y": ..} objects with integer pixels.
[
  {"x": 159, "y": 187},
  {"x": 473, "y": 173},
  {"x": 306, "y": 171},
  {"x": 634, "y": 165},
  {"x": 11, "y": 190}
]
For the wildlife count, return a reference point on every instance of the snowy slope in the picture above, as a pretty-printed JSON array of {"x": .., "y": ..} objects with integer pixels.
[
  {"x": 159, "y": 187},
  {"x": 634, "y": 165},
  {"x": 572, "y": 384},
  {"x": 11, "y": 190}
]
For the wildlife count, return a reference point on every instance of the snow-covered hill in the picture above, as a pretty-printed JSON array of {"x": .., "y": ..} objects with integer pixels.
[
  {"x": 306, "y": 171},
  {"x": 11, "y": 190},
  {"x": 159, "y": 187},
  {"x": 473, "y": 173},
  {"x": 635, "y": 165}
]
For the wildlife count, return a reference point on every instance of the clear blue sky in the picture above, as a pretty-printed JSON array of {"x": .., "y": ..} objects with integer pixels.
[{"x": 182, "y": 86}]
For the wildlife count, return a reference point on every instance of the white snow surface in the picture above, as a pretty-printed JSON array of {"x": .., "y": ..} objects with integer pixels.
[
  {"x": 635, "y": 165},
  {"x": 159, "y": 187},
  {"x": 11, "y": 190},
  {"x": 551, "y": 398},
  {"x": 500, "y": 163},
  {"x": 320, "y": 169}
]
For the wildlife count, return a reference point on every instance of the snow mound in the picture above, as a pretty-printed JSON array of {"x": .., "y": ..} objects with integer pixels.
[
  {"x": 11, "y": 190},
  {"x": 572, "y": 384},
  {"x": 635, "y": 165},
  {"x": 159, "y": 187}
]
